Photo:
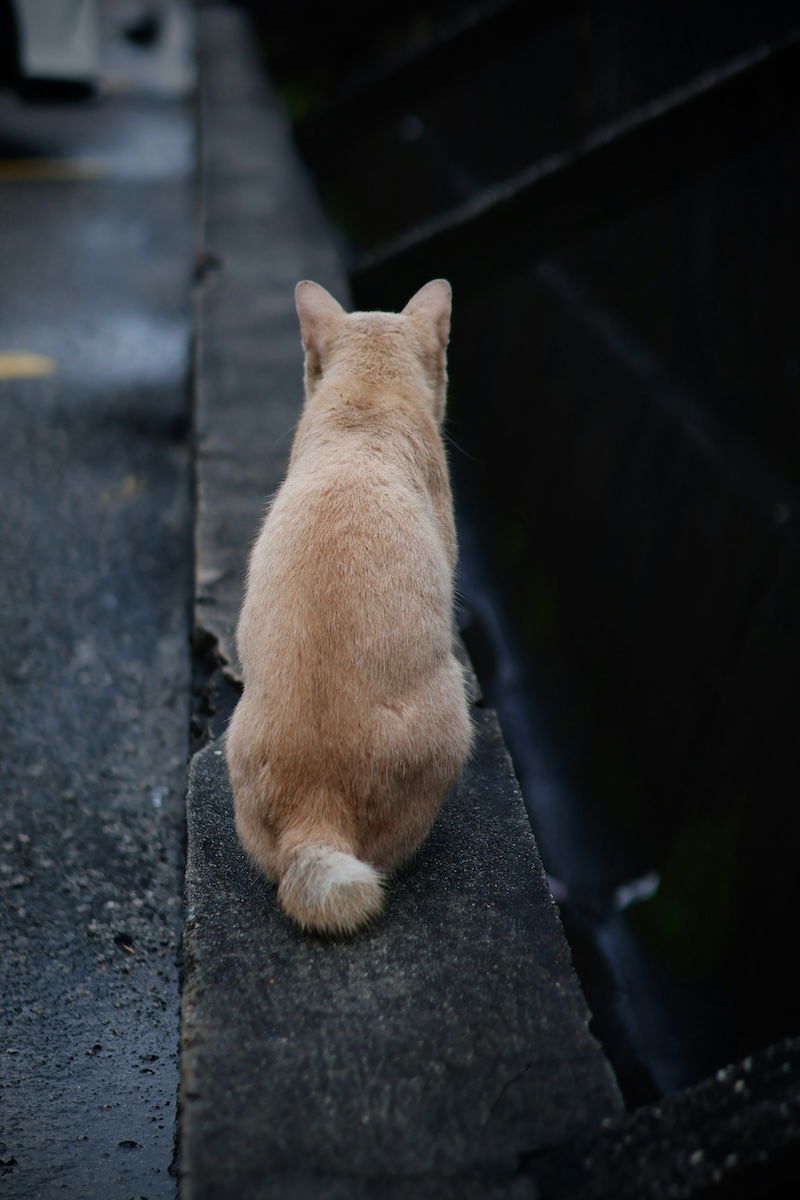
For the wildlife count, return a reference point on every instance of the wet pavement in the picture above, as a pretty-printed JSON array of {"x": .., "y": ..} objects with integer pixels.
[
  {"x": 447, "y": 1051},
  {"x": 96, "y": 242}
]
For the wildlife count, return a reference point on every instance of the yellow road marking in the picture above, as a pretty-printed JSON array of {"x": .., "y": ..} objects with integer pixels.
[
  {"x": 45, "y": 170},
  {"x": 132, "y": 485},
  {"x": 23, "y": 364}
]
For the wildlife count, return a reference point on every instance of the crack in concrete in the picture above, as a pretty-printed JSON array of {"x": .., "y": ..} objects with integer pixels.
[{"x": 216, "y": 689}]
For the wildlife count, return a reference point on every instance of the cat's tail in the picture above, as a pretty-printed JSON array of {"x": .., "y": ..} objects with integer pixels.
[{"x": 328, "y": 890}]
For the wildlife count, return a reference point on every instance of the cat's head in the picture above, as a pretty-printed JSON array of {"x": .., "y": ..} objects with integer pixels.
[{"x": 378, "y": 346}]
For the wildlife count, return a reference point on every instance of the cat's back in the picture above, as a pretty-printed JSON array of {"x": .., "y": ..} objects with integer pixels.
[
  {"x": 370, "y": 495},
  {"x": 351, "y": 557}
]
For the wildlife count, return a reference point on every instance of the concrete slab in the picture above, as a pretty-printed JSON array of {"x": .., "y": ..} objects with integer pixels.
[
  {"x": 262, "y": 231},
  {"x": 448, "y": 1040},
  {"x": 426, "y": 1056}
]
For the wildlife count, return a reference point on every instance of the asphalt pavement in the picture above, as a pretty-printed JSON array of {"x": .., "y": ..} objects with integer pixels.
[{"x": 96, "y": 245}]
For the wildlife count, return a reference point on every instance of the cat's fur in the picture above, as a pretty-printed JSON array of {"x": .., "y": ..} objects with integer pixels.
[{"x": 353, "y": 724}]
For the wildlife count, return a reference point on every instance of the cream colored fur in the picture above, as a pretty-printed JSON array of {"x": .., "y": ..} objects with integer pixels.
[{"x": 353, "y": 724}]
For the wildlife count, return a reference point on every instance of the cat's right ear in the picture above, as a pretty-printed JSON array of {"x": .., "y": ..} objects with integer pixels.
[
  {"x": 433, "y": 303},
  {"x": 319, "y": 316}
]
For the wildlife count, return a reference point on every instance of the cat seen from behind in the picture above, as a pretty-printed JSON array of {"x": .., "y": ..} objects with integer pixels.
[{"x": 353, "y": 724}]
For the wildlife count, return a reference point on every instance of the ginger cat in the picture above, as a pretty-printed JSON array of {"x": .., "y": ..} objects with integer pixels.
[{"x": 353, "y": 724}]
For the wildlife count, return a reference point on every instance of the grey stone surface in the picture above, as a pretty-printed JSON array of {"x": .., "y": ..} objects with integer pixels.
[
  {"x": 427, "y": 1055},
  {"x": 451, "y": 1036},
  {"x": 262, "y": 231}
]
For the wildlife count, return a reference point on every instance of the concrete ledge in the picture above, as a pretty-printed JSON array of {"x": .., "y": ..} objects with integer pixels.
[
  {"x": 428, "y": 1055},
  {"x": 451, "y": 1037},
  {"x": 261, "y": 231}
]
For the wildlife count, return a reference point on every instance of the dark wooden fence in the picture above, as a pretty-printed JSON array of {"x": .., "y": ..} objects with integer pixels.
[{"x": 612, "y": 189}]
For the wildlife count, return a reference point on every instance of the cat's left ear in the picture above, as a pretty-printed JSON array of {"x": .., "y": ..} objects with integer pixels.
[
  {"x": 319, "y": 314},
  {"x": 433, "y": 304}
]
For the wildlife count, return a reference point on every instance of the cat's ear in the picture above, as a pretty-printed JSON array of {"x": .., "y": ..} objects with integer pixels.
[
  {"x": 433, "y": 304},
  {"x": 319, "y": 315}
]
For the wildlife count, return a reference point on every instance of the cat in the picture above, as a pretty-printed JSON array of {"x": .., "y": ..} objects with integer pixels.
[{"x": 353, "y": 724}]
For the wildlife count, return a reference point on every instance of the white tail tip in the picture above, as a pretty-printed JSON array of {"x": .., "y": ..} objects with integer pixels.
[{"x": 329, "y": 891}]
